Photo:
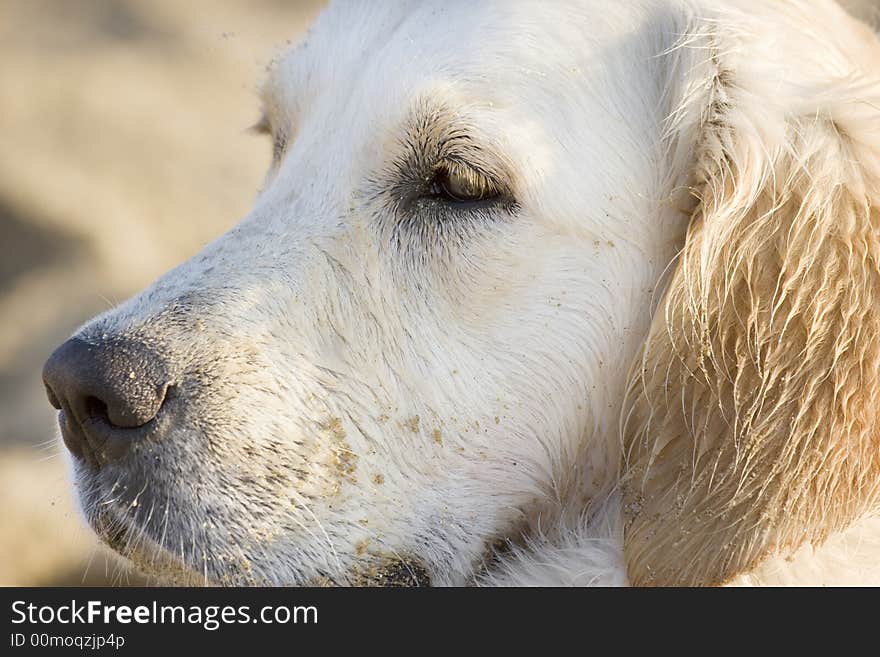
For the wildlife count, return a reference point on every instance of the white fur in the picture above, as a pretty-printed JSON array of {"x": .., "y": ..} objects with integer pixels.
[
  {"x": 589, "y": 553},
  {"x": 434, "y": 392}
]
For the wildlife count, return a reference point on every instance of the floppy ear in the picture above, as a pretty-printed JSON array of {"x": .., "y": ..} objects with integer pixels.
[{"x": 752, "y": 422}]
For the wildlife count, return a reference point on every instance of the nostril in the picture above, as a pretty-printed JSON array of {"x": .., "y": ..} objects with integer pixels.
[{"x": 95, "y": 408}]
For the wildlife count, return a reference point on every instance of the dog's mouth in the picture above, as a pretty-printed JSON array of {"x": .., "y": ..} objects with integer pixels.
[
  {"x": 95, "y": 441},
  {"x": 149, "y": 541}
]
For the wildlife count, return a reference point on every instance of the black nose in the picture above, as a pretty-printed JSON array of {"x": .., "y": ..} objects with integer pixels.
[{"x": 109, "y": 393}]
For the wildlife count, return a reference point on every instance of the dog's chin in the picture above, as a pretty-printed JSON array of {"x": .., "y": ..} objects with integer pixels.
[
  {"x": 162, "y": 567},
  {"x": 154, "y": 556},
  {"x": 147, "y": 547},
  {"x": 158, "y": 565}
]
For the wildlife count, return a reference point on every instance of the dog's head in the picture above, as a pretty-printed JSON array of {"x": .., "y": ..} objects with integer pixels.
[{"x": 418, "y": 341}]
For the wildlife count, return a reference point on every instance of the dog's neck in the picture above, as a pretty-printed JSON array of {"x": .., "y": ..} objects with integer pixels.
[{"x": 590, "y": 552}]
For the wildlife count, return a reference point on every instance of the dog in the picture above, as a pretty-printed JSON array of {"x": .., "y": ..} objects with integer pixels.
[{"x": 565, "y": 293}]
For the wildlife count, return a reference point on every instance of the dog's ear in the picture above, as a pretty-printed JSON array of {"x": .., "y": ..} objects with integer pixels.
[{"x": 752, "y": 421}]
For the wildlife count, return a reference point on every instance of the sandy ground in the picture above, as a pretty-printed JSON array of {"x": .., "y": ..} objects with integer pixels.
[{"x": 123, "y": 149}]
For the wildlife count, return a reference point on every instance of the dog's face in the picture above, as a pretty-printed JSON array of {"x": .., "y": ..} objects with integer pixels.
[
  {"x": 418, "y": 343},
  {"x": 409, "y": 348}
]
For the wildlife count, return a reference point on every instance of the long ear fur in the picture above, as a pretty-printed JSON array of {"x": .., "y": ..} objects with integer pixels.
[{"x": 752, "y": 421}]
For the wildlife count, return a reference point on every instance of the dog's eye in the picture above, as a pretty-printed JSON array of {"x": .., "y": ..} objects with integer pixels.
[{"x": 458, "y": 183}]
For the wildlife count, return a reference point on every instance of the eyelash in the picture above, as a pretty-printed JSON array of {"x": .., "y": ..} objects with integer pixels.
[
  {"x": 436, "y": 189},
  {"x": 417, "y": 192},
  {"x": 448, "y": 174}
]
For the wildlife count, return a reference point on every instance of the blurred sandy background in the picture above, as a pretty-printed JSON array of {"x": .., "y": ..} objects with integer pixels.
[{"x": 123, "y": 150}]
